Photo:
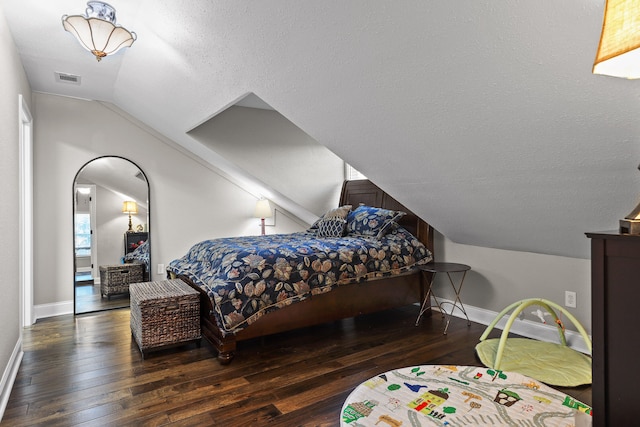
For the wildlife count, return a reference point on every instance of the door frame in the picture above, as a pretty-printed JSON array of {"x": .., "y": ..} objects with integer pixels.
[
  {"x": 25, "y": 212},
  {"x": 94, "y": 234}
]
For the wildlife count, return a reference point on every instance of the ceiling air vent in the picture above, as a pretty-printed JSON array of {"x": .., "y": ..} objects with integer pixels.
[{"x": 67, "y": 78}]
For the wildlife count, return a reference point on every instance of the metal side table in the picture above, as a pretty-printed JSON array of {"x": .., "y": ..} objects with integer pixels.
[{"x": 444, "y": 267}]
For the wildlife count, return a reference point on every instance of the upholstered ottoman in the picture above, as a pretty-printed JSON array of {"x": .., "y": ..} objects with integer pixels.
[
  {"x": 115, "y": 279},
  {"x": 164, "y": 313}
]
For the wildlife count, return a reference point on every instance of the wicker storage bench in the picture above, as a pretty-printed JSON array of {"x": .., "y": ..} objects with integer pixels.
[
  {"x": 115, "y": 279},
  {"x": 164, "y": 313}
]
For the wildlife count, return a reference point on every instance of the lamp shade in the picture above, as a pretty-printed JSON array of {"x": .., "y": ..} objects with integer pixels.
[
  {"x": 619, "y": 49},
  {"x": 97, "y": 31},
  {"x": 129, "y": 207},
  {"x": 263, "y": 209}
]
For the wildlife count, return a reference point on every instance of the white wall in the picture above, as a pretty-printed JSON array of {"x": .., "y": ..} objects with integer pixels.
[
  {"x": 111, "y": 225},
  {"x": 14, "y": 82},
  {"x": 189, "y": 201},
  {"x": 499, "y": 277},
  {"x": 278, "y": 153}
]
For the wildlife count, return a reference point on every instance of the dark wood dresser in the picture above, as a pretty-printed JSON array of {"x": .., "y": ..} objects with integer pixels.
[
  {"x": 615, "y": 318},
  {"x": 134, "y": 237}
]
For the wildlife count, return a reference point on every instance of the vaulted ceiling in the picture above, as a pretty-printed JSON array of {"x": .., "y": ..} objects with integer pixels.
[{"x": 481, "y": 116}]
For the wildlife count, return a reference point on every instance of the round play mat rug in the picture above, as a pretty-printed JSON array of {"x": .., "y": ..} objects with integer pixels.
[{"x": 439, "y": 395}]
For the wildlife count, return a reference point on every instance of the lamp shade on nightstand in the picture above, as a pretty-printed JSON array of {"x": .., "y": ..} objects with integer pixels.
[{"x": 262, "y": 211}]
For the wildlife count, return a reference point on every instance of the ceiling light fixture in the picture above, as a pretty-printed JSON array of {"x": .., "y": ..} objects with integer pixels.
[{"x": 97, "y": 30}]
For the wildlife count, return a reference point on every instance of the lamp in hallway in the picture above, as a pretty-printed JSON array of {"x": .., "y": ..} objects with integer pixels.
[
  {"x": 263, "y": 210},
  {"x": 130, "y": 207},
  {"x": 97, "y": 30}
]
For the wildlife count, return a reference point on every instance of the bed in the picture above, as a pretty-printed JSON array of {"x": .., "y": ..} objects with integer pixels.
[{"x": 255, "y": 286}]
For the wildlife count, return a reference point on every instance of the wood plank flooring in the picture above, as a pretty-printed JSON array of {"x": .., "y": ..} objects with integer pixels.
[
  {"x": 87, "y": 371},
  {"x": 89, "y": 299}
]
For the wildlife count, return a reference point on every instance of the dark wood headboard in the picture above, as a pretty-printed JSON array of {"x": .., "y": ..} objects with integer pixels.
[{"x": 365, "y": 192}]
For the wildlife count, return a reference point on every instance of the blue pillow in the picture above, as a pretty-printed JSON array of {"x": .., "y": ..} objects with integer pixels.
[{"x": 368, "y": 221}]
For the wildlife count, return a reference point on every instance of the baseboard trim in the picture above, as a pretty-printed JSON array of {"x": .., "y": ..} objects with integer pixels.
[
  {"x": 9, "y": 376},
  {"x": 527, "y": 328},
  {"x": 54, "y": 309}
]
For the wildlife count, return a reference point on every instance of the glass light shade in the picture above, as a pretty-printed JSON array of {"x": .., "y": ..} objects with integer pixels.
[
  {"x": 619, "y": 49},
  {"x": 130, "y": 207},
  {"x": 97, "y": 31},
  {"x": 263, "y": 209}
]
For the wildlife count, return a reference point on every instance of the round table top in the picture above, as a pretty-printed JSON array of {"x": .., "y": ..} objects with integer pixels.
[
  {"x": 430, "y": 395},
  {"x": 444, "y": 267}
]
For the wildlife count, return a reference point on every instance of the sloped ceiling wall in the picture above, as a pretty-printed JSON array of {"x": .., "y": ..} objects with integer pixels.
[
  {"x": 270, "y": 148},
  {"x": 481, "y": 116}
]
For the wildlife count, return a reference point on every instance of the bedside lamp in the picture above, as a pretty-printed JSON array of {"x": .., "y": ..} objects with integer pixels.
[
  {"x": 130, "y": 207},
  {"x": 263, "y": 210}
]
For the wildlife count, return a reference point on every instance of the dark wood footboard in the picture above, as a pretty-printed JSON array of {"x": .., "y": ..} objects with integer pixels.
[{"x": 343, "y": 302}]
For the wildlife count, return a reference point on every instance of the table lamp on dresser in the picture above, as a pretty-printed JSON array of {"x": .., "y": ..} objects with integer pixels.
[{"x": 130, "y": 207}]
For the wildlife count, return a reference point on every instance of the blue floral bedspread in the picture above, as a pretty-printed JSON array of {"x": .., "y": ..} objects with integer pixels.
[{"x": 245, "y": 277}]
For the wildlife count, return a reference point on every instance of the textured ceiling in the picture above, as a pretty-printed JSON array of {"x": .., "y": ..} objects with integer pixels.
[{"x": 482, "y": 116}]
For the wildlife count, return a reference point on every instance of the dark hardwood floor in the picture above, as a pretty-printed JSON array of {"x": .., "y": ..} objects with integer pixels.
[
  {"x": 86, "y": 370},
  {"x": 89, "y": 299}
]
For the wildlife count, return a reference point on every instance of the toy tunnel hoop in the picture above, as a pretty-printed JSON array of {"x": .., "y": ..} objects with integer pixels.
[{"x": 551, "y": 363}]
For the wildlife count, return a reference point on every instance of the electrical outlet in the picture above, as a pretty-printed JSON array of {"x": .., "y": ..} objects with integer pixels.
[
  {"x": 570, "y": 299},
  {"x": 161, "y": 269}
]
